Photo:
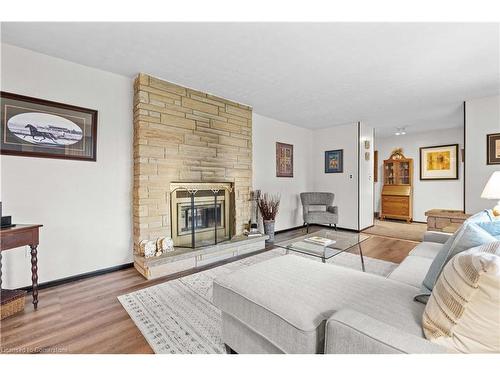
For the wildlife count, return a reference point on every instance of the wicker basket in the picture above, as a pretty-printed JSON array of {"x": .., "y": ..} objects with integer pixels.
[{"x": 12, "y": 302}]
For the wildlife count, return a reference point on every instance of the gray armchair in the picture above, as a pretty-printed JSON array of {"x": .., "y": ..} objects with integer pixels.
[{"x": 326, "y": 212}]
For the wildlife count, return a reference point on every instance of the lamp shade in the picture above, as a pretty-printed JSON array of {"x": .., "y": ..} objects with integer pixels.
[{"x": 492, "y": 188}]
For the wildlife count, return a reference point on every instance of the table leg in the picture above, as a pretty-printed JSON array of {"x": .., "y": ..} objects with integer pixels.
[
  {"x": 34, "y": 275},
  {"x": 361, "y": 255},
  {"x": 323, "y": 260}
]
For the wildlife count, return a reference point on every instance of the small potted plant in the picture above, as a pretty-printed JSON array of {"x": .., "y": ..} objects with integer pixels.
[{"x": 268, "y": 206}]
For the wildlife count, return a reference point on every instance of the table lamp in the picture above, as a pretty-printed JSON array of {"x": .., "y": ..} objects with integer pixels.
[{"x": 492, "y": 191}]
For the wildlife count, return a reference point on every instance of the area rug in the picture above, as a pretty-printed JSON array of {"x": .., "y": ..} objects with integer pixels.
[
  {"x": 403, "y": 231},
  {"x": 178, "y": 316}
]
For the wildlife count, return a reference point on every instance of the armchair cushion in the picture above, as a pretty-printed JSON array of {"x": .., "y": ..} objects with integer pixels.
[
  {"x": 351, "y": 332},
  {"x": 332, "y": 209}
]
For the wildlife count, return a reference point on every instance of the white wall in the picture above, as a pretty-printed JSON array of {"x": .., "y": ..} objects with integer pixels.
[
  {"x": 366, "y": 191},
  {"x": 344, "y": 185},
  {"x": 426, "y": 194},
  {"x": 482, "y": 118},
  {"x": 266, "y": 132},
  {"x": 309, "y": 171},
  {"x": 84, "y": 206}
]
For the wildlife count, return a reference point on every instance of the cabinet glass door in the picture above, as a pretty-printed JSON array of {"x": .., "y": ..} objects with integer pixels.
[
  {"x": 404, "y": 173},
  {"x": 389, "y": 174}
]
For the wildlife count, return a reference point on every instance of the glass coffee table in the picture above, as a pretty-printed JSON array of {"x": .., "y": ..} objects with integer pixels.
[{"x": 344, "y": 241}]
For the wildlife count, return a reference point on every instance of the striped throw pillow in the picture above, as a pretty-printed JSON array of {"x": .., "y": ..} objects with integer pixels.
[{"x": 463, "y": 312}]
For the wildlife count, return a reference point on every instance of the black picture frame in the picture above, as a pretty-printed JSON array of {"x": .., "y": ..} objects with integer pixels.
[
  {"x": 492, "y": 146},
  {"x": 454, "y": 168},
  {"x": 332, "y": 155},
  {"x": 46, "y": 129}
]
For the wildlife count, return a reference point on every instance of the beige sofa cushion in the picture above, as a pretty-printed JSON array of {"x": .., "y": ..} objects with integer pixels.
[
  {"x": 463, "y": 312},
  {"x": 412, "y": 270},
  {"x": 427, "y": 250}
]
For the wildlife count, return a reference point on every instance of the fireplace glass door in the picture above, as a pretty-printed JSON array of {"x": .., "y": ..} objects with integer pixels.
[
  {"x": 205, "y": 210},
  {"x": 205, "y": 215}
]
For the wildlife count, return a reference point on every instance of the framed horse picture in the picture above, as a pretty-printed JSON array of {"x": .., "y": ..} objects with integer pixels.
[{"x": 41, "y": 128}]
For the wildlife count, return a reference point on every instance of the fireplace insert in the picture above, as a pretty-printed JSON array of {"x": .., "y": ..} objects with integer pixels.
[{"x": 201, "y": 213}]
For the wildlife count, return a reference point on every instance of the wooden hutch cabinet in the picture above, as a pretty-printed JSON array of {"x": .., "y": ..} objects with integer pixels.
[{"x": 397, "y": 192}]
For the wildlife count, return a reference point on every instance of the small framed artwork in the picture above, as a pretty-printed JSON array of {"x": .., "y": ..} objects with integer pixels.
[
  {"x": 334, "y": 161},
  {"x": 493, "y": 148},
  {"x": 439, "y": 162},
  {"x": 41, "y": 128},
  {"x": 284, "y": 160}
]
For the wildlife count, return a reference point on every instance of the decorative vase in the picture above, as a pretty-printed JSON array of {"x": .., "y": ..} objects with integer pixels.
[{"x": 269, "y": 229}]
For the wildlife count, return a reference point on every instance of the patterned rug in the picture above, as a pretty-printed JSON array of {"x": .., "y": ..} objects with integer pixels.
[{"x": 178, "y": 316}]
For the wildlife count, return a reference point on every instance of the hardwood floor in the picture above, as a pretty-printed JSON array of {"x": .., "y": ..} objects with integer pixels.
[{"x": 86, "y": 317}]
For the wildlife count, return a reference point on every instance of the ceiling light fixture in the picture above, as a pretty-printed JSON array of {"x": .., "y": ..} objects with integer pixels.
[{"x": 400, "y": 131}]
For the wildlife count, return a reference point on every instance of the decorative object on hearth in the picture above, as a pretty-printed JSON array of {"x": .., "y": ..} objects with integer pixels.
[
  {"x": 492, "y": 191},
  {"x": 284, "y": 160},
  {"x": 493, "y": 148},
  {"x": 41, "y": 128},
  {"x": 397, "y": 192},
  {"x": 334, "y": 161},
  {"x": 439, "y": 162},
  {"x": 269, "y": 205},
  {"x": 147, "y": 248},
  {"x": 253, "y": 232},
  {"x": 166, "y": 244},
  {"x": 255, "y": 220}
]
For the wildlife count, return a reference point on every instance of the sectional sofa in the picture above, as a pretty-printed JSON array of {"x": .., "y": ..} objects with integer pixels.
[{"x": 292, "y": 304}]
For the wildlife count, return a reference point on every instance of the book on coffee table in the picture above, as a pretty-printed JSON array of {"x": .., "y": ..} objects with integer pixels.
[{"x": 322, "y": 241}]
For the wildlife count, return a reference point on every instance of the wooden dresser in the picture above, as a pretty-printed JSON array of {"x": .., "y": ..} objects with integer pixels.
[{"x": 397, "y": 192}]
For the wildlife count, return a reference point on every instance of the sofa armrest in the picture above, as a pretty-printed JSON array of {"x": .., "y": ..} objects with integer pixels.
[
  {"x": 439, "y": 237},
  {"x": 332, "y": 209},
  {"x": 351, "y": 332}
]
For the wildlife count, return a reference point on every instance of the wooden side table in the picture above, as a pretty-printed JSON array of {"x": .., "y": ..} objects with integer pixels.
[{"x": 22, "y": 235}]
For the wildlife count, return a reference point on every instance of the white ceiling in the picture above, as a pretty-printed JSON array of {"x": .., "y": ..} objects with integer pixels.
[{"x": 313, "y": 75}]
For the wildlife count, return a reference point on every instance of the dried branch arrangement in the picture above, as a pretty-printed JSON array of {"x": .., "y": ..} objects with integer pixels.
[{"x": 269, "y": 205}]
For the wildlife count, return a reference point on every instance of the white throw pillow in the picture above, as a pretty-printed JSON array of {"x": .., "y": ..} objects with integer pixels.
[{"x": 463, "y": 312}]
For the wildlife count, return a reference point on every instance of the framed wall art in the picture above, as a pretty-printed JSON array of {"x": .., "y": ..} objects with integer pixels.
[
  {"x": 284, "y": 160},
  {"x": 493, "y": 148},
  {"x": 334, "y": 161},
  {"x": 41, "y": 128},
  {"x": 439, "y": 162}
]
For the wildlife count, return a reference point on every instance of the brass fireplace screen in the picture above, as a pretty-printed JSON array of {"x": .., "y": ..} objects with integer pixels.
[{"x": 201, "y": 213}]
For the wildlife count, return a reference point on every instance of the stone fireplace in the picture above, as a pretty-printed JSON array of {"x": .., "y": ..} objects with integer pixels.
[{"x": 184, "y": 136}]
